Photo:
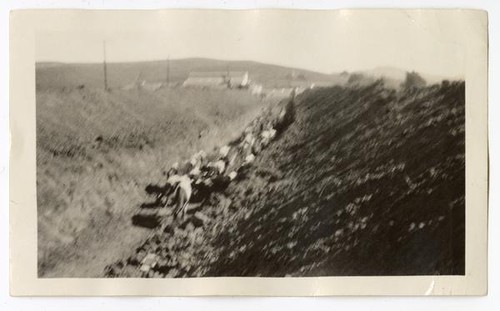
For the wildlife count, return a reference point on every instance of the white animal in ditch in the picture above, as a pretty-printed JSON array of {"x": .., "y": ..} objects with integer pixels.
[{"x": 182, "y": 195}]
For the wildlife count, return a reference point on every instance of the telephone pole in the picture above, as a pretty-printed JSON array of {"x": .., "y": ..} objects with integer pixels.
[
  {"x": 168, "y": 70},
  {"x": 228, "y": 78},
  {"x": 104, "y": 66}
]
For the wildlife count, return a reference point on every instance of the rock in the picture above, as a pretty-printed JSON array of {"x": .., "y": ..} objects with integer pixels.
[
  {"x": 339, "y": 232},
  {"x": 162, "y": 263},
  {"x": 145, "y": 268},
  {"x": 141, "y": 254},
  {"x": 179, "y": 233},
  {"x": 189, "y": 227},
  {"x": 192, "y": 237},
  {"x": 199, "y": 240},
  {"x": 149, "y": 262},
  {"x": 171, "y": 244},
  {"x": 205, "y": 219}
]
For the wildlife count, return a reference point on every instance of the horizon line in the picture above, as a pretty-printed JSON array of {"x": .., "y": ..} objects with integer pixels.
[
  {"x": 183, "y": 59},
  {"x": 240, "y": 60}
]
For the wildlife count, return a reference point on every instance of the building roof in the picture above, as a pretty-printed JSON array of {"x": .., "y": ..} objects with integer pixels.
[
  {"x": 210, "y": 78},
  {"x": 204, "y": 81},
  {"x": 214, "y": 74}
]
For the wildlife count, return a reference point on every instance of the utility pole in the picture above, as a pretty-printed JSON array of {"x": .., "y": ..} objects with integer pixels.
[
  {"x": 228, "y": 78},
  {"x": 104, "y": 66},
  {"x": 168, "y": 70}
]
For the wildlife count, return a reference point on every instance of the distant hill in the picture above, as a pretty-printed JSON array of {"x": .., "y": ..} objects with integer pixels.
[{"x": 61, "y": 75}]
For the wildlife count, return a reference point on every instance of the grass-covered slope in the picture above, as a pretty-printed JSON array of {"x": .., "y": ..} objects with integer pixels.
[{"x": 96, "y": 151}]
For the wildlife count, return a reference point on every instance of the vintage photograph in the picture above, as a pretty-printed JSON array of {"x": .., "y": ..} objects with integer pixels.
[{"x": 251, "y": 144}]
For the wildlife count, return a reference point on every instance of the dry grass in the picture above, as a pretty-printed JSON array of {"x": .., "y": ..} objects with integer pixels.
[{"x": 96, "y": 151}]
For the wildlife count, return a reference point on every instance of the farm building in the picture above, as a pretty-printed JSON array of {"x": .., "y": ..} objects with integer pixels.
[{"x": 232, "y": 79}]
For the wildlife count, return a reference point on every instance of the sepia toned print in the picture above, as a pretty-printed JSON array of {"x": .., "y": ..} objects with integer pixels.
[
  {"x": 173, "y": 155},
  {"x": 272, "y": 171}
]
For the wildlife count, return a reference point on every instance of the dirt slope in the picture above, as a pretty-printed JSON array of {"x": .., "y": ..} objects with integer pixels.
[
  {"x": 366, "y": 181},
  {"x": 367, "y": 184}
]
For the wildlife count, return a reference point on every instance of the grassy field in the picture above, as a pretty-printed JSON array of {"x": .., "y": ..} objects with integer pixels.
[
  {"x": 366, "y": 181},
  {"x": 96, "y": 151}
]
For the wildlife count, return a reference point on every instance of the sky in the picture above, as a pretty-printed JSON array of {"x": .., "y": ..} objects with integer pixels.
[{"x": 323, "y": 41}]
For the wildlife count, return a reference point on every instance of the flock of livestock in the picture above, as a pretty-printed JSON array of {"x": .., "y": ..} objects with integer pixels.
[{"x": 205, "y": 173}]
